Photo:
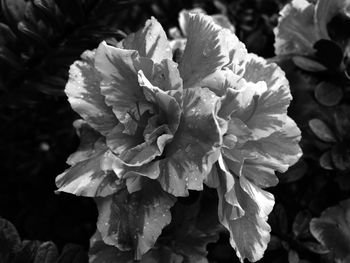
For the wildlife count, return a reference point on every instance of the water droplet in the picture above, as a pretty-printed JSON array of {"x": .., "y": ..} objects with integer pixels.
[
  {"x": 188, "y": 148},
  {"x": 206, "y": 51}
]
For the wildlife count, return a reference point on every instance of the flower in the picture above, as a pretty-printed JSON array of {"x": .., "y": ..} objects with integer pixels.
[
  {"x": 153, "y": 129},
  {"x": 310, "y": 32}
]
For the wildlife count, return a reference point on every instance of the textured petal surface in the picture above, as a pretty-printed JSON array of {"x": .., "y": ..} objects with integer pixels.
[
  {"x": 193, "y": 150},
  {"x": 87, "y": 178},
  {"x": 150, "y": 41},
  {"x": 296, "y": 32},
  {"x": 134, "y": 221},
  {"x": 202, "y": 58},
  {"x": 249, "y": 232},
  {"x": 83, "y": 91}
]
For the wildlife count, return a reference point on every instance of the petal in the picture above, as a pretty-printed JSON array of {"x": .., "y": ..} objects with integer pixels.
[
  {"x": 325, "y": 10},
  {"x": 249, "y": 234},
  {"x": 279, "y": 150},
  {"x": 202, "y": 58},
  {"x": 296, "y": 32},
  {"x": 150, "y": 41},
  {"x": 189, "y": 157},
  {"x": 89, "y": 141},
  {"x": 164, "y": 100},
  {"x": 84, "y": 94},
  {"x": 134, "y": 221},
  {"x": 265, "y": 114},
  {"x": 87, "y": 178}
]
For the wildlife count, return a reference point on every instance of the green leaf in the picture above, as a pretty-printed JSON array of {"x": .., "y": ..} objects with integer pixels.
[
  {"x": 332, "y": 230},
  {"x": 134, "y": 221},
  {"x": 326, "y": 161},
  {"x": 47, "y": 253}
]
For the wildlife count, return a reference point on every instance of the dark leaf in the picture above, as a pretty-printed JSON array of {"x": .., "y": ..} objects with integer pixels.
[
  {"x": 329, "y": 53},
  {"x": 341, "y": 156},
  {"x": 328, "y": 94},
  {"x": 73, "y": 254},
  {"x": 308, "y": 64},
  {"x": 301, "y": 223},
  {"x": 326, "y": 161},
  {"x": 47, "y": 253},
  {"x": 321, "y": 130},
  {"x": 10, "y": 242}
]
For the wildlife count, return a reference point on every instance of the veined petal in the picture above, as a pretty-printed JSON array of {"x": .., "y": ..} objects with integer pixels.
[
  {"x": 189, "y": 157},
  {"x": 134, "y": 221},
  {"x": 202, "y": 58},
  {"x": 265, "y": 114},
  {"x": 296, "y": 32},
  {"x": 84, "y": 94},
  {"x": 88, "y": 178},
  {"x": 90, "y": 140},
  {"x": 249, "y": 234},
  {"x": 325, "y": 10},
  {"x": 150, "y": 41},
  {"x": 167, "y": 103}
]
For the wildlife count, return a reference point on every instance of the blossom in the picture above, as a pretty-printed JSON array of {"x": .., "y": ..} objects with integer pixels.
[
  {"x": 153, "y": 129},
  {"x": 302, "y": 24}
]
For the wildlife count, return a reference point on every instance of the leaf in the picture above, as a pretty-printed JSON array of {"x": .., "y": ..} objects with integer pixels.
[
  {"x": 329, "y": 53},
  {"x": 315, "y": 247},
  {"x": 10, "y": 241},
  {"x": 326, "y": 161},
  {"x": 321, "y": 130},
  {"x": 308, "y": 64},
  {"x": 341, "y": 156},
  {"x": 73, "y": 254},
  {"x": 328, "y": 94},
  {"x": 47, "y": 253},
  {"x": 301, "y": 223},
  {"x": 293, "y": 257},
  {"x": 134, "y": 221},
  {"x": 28, "y": 251},
  {"x": 332, "y": 230}
]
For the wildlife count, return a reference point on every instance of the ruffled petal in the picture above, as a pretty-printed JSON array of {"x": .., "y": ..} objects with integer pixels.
[
  {"x": 325, "y": 10},
  {"x": 189, "y": 157},
  {"x": 90, "y": 140},
  {"x": 296, "y": 32},
  {"x": 83, "y": 91},
  {"x": 202, "y": 58},
  {"x": 249, "y": 233},
  {"x": 270, "y": 97},
  {"x": 150, "y": 41},
  {"x": 88, "y": 178},
  {"x": 134, "y": 221}
]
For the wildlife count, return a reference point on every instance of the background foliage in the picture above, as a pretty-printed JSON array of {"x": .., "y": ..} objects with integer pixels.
[{"x": 39, "y": 39}]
